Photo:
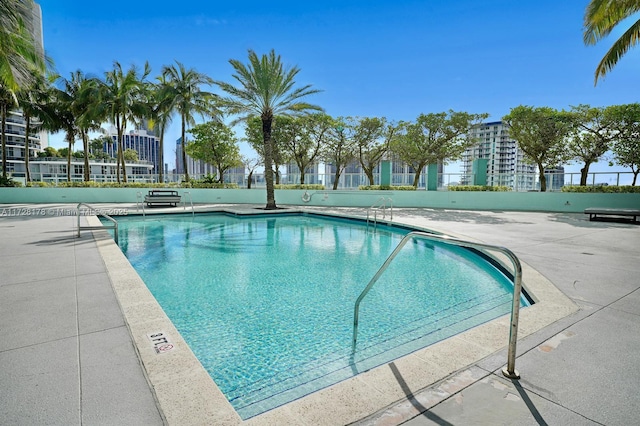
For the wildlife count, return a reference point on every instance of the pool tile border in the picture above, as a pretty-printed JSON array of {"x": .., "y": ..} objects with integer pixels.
[{"x": 187, "y": 395}]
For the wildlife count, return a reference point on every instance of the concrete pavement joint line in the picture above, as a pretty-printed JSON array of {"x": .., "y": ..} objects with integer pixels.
[{"x": 75, "y": 285}]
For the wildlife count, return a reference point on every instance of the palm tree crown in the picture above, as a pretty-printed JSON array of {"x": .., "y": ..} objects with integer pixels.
[
  {"x": 188, "y": 99},
  {"x": 600, "y": 18},
  {"x": 123, "y": 99},
  {"x": 19, "y": 54},
  {"x": 266, "y": 89}
]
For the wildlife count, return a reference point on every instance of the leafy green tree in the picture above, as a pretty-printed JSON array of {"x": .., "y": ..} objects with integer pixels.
[
  {"x": 123, "y": 100},
  {"x": 279, "y": 132},
  {"x": 266, "y": 89},
  {"x": 215, "y": 143},
  {"x": 130, "y": 155},
  {"x": 340, "y": 147},
  {"x": 372, "y": 136},
  {"x": 49, "y": 151},
  {"x": 541, "y": 135},
  {"x": 188, "y": 100},
  {"x": 433, "y": 138},
  {"x": 626, "y": 125},
  {"x": 250, "y": 164},
  {"x": 591, "y": 137},
  {"x": 96, "y": 145},
  {"x": 20, "y": 54},
  {"x": 600, "y": 18},
  {"x": 305, "y": 146}
]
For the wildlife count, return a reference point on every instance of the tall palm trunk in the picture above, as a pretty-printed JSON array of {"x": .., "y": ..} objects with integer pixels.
[
  {"x": 27, "y": 151},
  {"x": 161, "y": 155},
  {"x": 118, "y": 139},
  {"x": 184, "y": 151},
  {"x": 267, "y": 120},
  {"x": 121, "y": 153},
  {"x": 85, "y": 147},
  {"x": 70, "y": 137}
]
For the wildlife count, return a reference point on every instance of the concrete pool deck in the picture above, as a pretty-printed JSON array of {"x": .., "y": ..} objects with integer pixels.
[{"x": 67, "y": 355}]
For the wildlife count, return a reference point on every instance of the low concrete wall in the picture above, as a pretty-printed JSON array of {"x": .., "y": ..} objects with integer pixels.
[{"x": 511, "y": 201}]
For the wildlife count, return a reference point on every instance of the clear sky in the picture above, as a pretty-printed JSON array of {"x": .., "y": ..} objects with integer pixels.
[{"x": 393, "y": 59}]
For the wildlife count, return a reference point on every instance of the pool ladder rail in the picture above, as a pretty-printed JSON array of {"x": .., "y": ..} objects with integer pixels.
[
  {"x": 114, "y": 222},
  {"x": 140, "y": 203},
  {"x": 380, "y": 204},
  {"x": 509, "y": 371}
]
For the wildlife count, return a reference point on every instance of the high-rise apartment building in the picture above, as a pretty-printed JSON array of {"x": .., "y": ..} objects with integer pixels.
[
  {"x": 146, "y": 144},
  {"x": 505, "y": 165}
]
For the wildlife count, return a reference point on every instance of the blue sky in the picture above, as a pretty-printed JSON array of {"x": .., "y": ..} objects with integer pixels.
[{"x": 393, "y": 59}]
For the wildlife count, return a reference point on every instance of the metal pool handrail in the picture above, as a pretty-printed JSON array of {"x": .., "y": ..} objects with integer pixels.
[
  {"x": 184, "y": 206},
  {"x": 509, "y": 371},
  {"x": 381, "y": 203},
  {"x": 114, "y": 227}
]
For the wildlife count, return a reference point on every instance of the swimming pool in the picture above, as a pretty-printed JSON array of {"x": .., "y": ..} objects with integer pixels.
[{"x": 266, "y": 303}]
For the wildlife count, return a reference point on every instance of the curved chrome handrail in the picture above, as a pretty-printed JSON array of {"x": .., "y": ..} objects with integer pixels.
[
  {"x": 509, "y": 371},
  {"x": 93, "y": 209}
]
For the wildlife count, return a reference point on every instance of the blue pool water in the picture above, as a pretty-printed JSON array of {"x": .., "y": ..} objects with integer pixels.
[{"x": 266, "y": 303}]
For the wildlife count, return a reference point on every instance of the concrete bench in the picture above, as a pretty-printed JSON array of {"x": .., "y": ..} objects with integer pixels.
[
  {"x": 594, "y": 212},
  {"x": 162, "y": 197}
]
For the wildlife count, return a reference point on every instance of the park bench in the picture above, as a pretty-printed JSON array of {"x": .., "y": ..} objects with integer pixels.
[
  {"x": 165, "y": 197},
  {"x": 595, "y": 212}
]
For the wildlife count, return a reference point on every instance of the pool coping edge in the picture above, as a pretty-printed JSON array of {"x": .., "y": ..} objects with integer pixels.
[{"x": 186, "y": 394}]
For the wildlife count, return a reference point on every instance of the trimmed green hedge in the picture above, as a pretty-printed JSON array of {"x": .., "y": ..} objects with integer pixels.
[
  {"x": 479, "y": 188},
  {"x": 602, "y": 189},
  {"x": 92, "y": 184},
  {"x": 386, "y": 188},
  {"x": 316, "y": 186}
]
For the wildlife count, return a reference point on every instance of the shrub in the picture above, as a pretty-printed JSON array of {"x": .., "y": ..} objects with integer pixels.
[
  {"x": 479, "y": 188},
  {"x": 38, "y": 184},
  {"x": 316, "y": 186},
  {"x": 602, "y": 189},
  {"x": 386, "y": 188},
  {"x": 212, "y": 185},
  {"x": 9, "y": 182}
]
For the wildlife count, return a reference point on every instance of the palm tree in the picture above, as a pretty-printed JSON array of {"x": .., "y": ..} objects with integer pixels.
[
  {"x": 188, "y": 99},
  {"x": 159, "y": 111},
  {"x": 76, "y": 113},
  {"x": 600, "y": 18},
  {"x": 266, "y": 90},
  {"x": 122, "y": 101},
  {"x": 34, "y": 101},
  {"x": 19, "y": 54}
]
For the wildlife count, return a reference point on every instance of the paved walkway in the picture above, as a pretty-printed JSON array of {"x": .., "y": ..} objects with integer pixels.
[
  {"x": 583, "y": 370},
  {"x": 66, "y": 356}
]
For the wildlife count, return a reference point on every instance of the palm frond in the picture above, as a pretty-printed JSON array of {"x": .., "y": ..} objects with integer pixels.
[{"x": 630, "y": 38}]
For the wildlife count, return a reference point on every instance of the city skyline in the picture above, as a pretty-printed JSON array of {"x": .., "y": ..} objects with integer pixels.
[{"x": 375, "y": 58}]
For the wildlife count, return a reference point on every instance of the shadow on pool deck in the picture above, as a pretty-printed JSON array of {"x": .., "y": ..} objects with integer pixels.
[{"x": 66, "y": 356}]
